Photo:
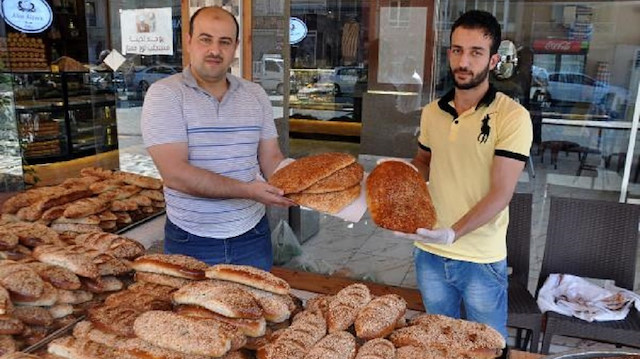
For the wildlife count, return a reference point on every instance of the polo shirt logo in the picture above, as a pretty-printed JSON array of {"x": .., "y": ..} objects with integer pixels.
[{"x": 484, "y": 130}]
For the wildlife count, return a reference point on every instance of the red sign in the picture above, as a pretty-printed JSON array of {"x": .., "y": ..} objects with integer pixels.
[{"x": 558, "y": 46}]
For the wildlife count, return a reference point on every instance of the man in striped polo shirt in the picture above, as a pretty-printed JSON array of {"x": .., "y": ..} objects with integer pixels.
[{"x": 211, "y": 134}]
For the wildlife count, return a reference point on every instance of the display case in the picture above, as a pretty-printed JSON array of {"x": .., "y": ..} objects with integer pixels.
[
  {"x": 327, "y": 101},
  {"x": 66, "y": 115}
]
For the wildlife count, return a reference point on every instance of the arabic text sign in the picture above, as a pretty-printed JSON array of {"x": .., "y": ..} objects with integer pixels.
[{"x": 147, "y": 31}]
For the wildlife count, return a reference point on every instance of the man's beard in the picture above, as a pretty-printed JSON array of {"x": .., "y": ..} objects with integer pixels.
[{"x": 474, "y": 82}]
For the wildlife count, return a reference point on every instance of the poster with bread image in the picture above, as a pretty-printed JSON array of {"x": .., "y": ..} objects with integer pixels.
[{"x": 330, "y": 182}]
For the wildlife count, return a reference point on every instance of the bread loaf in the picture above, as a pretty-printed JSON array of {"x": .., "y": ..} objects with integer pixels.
[
  {"x": 118, "y": 246},
  {"x": 306, "y": 171},
  {"x": 160, "y": 291},
  {"x": 8, "y": 347},
  {"x": 139, "y": 180},
  {"x": 398, "y": 198},
  {"x": 58, "y": 311},
  {"x": 10, "y": 325},
  {"x": 227, "y": 300},
  {"x": 276, "y": 308},
  {"x": 33, "y": 315},
  {"x": 20, "y": 280},
  {"x": 114, "y": 319},
  {"x": 378, "y": 318},
  {"x": 454, "y": 336},
  {"x": 161, "y": 279},
  {"x": 32, "y": 234},
  {"x": 339, "y": 180},
  {"x": 344, "y": 308},
  {"x": 139, "y": 300},
  {"x": 85, "y": 207},
  {"x": 96, "y": 172},
  {"x": 249, "y": 327},
  {"x": 377, "y": 349},
  {"x": 102, "y": 284},
  {"x": 58, "y": 276},
  {"x": 19, "y": 355},
  {"x": 250, "y": 276},
  {"x": 75, "y": 258},
  {"x": 183, "y": 334},
  {"x": 329, "y": 202},
  {"x": 338, "y": 345},
  {"x": 154, "y": 195},
  {"x": 176, "y": 265},
  {"x": 49, "y": 297},
  {"x": 6, "y": 305},
  {"x": 307, "y": 328},
  {"x": 72, "y": 348},
  {"x": 8, "y": 240}
]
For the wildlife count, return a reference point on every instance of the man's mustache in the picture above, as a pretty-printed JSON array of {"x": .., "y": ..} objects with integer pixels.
[{"x": 462, "y": 71}]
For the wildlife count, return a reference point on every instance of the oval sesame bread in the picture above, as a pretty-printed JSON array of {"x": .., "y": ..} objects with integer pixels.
[
  {"x": 339, "y": 180},
  {"x": 398, "y": 198},
  {"x": 247, "y": 275},
  {"x": 306, "y": 171},
  {"x": 330, "y": 202}
]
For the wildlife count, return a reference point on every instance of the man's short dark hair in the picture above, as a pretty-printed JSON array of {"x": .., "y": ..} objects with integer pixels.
[
  {"x": 477, "y": 19},
  {"x": 193, "y": 17}
]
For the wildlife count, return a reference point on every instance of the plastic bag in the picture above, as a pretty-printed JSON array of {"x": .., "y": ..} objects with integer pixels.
[
  {"x": 285, "y": 244},
  {"x": 308, "y": 263},
  {"x": 574, "y": 296}
]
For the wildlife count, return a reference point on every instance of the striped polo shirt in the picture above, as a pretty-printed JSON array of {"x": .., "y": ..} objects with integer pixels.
[{"x": 222, "y": 137}]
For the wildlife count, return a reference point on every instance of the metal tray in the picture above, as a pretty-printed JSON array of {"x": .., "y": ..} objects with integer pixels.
[{"x": 602, "y": 353}]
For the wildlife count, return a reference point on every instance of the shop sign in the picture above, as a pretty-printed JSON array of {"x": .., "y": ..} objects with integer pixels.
[
  {"x": 147, "y": 31},
  {"x": 297, "y": 30},
  {"x": 29, "y": 16},
  {"x": 560, "y": 46}
]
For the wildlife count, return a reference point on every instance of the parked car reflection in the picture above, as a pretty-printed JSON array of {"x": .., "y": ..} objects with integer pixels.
[
  {"x": 574, "y": 87},
  {"x": 143, "y": 78}
]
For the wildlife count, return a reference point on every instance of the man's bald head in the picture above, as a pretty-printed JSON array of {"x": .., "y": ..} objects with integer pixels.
[{"x": 218, "y": 10}]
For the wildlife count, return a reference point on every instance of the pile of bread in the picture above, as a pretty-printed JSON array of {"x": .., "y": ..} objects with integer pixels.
[
  {"x": 355, "y": 324},
  {"x": 327, "y": 182},
  {"x": 98, "y": 200},
  {"x": 47, "y": 280},
  {"x": 179, "y": 307},
  {"x": 396, "y": 194}
]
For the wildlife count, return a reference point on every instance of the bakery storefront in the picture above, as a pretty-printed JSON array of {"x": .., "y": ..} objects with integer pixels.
[{"x": 346, "y": 76}]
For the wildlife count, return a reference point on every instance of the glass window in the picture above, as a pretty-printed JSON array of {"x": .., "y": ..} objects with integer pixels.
[{"x": 362, "y": 73}]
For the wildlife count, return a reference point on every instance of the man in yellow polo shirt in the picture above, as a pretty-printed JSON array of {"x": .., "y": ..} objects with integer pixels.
[{"x": 473, "y": 145}]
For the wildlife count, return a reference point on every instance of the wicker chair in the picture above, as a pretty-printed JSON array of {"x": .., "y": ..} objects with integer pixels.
[
  {"x": 593, "y": 239},
  {"x": 523, "y": 311}
]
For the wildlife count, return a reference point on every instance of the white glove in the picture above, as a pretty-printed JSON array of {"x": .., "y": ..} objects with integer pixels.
[
  {"x": 382, "y": 160},
  {"x": 444, "y": 236}
]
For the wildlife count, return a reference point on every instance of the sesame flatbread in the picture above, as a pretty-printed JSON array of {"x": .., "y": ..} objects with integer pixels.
[
  {"x": 339, "y": 180},
  {"x": 398, "y": 198},
  {"x": 330, "y": 202},
  {"x": 306, "y": 171}
]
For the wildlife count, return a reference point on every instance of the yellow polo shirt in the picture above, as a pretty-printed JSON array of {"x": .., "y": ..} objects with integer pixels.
[{"x": 462, "y": 151}]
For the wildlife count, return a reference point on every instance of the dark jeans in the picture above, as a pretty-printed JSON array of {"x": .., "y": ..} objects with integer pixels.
[{"x": 250, "y": 248}]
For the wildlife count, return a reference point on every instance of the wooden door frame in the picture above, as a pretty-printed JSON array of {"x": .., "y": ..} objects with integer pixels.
[{"x": 246, "y": 46}]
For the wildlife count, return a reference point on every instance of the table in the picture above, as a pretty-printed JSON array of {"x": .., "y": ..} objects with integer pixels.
[{"x": 516, "y": 354}]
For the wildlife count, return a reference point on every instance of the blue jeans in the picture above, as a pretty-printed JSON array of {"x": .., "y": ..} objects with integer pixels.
[
  {"x": 446, "y": 283},
  {"x": 250, "y": 248}
]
